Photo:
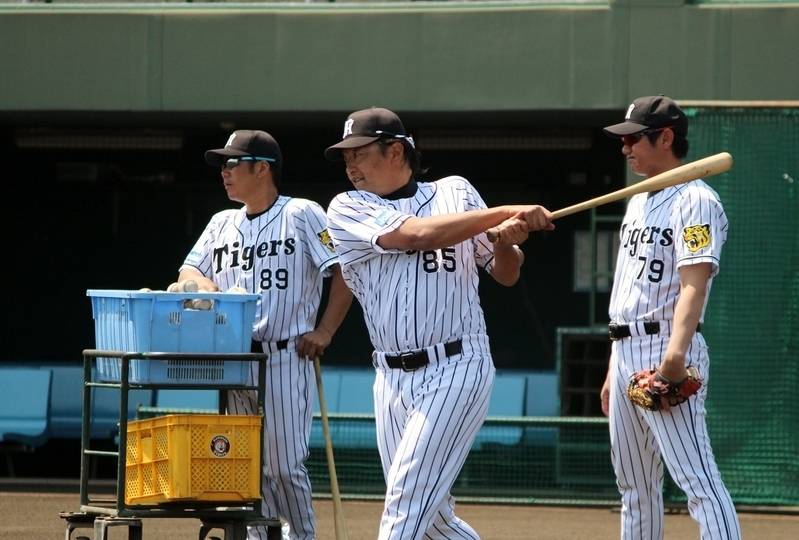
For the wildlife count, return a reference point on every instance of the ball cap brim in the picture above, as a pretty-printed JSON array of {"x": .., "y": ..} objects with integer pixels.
[
  {"x": 651, "y": 112},
  {"x": 246, "y": 142},
  {"x": 365, "y": 127}
]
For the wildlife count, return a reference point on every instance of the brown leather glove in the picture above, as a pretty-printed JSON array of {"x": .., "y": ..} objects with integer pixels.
[{"x": 647, "y": 386}]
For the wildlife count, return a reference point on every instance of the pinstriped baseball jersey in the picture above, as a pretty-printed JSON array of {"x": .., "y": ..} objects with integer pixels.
[
  {"x": 410, "y": 299},
  {"x": 283, "y": 254},
  {"x": 426, "y": 418},
  {"x": 677, "y": 226}
]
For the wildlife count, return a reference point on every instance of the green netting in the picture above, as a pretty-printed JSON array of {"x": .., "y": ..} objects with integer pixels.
[
  {"x": 753, "y": 316},
  {"x": 752, "y": 329}
]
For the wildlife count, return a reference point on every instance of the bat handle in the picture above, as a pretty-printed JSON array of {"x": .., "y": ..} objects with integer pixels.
[{"x": 492, "y": 234}]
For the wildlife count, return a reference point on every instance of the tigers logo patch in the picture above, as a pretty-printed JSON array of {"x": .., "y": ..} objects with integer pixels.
[
  {"x": 324, "y": 237},
  {"x": 696, "y": 237}
]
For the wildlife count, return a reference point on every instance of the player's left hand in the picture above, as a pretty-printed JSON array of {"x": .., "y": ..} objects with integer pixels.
[
  {"x": 314, "y": 343},
  {"x": 650, "y": 390}
]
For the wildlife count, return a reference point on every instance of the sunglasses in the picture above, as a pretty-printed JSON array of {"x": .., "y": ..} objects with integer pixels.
[
  {"x": 234, "y": 162},
  {"x": 386, "y": 135},
  {"x": 630, "y": 140}
]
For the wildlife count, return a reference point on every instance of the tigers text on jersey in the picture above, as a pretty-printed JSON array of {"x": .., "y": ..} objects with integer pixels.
[
  {"x": 662, "y": 231},
  {"x": 283, "y": 254},
  {"x": 411, "y": 299}
]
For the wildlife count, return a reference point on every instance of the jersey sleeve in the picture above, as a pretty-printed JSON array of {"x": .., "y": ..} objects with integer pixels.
[
  {"x": 483, "y": 249},
  {"x": 700, "y": 227},
  {"x": 319, "y": 246},
  {"x": 356, "y": 223}
]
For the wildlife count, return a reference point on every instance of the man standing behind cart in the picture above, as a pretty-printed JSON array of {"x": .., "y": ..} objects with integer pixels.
[{"x": 278, "y": 247}]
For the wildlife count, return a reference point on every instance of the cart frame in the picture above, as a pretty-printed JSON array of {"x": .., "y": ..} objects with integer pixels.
[{"x": 99, "y": 513}]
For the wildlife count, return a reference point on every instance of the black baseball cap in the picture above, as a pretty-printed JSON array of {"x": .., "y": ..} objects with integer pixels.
[
  {"x": 651, "y": 112},
  {"x": 367, "y": 126},
  {"x": 245, "y": 142}
]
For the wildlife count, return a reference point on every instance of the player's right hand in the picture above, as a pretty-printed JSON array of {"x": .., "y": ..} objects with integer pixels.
[
  {"x": 604, "y": 396},
  {"x": 537, "y": 217},
  {"x": 205, "y": 284},
  {"x": 512, "y": 232}
]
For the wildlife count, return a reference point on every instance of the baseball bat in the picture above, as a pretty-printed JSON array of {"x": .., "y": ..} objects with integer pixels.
[
  {"x": 701, "y": 168},
  {"x": 338, "y": 510}
]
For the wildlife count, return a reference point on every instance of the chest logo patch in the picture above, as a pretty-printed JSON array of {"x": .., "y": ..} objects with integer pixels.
[
  {"x": 696, "y": 237},
  {"x": 324, "y": 237}
]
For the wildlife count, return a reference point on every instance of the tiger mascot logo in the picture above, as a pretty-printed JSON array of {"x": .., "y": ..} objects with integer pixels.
[
  {"x": 324, "y": 237},
  {"x": 696, "y": 237}
]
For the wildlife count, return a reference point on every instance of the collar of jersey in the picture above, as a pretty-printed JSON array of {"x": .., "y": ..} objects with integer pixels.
[
  {"x": 259, "y": 214},
  {"x": 405, "y": 192}
]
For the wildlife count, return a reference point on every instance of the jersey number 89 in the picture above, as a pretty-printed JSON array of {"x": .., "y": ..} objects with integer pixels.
[{"x": 280, "y": 279}]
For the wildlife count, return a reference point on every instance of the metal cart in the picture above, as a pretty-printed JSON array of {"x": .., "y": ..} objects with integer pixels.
[{"x": 100, "y": 514}]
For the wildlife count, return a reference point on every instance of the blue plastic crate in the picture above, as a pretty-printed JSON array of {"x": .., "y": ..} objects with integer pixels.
[{"x": 134, "y": 321}]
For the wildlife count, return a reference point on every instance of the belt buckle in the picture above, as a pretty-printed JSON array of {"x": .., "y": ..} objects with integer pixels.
[
  {"x": 611, "y": 329},
  {"x": 403, "y": 358}
]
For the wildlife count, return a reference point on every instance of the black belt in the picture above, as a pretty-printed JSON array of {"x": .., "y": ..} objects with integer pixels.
[
  {"x": 411, "y": 361},
  {"x": 621, "y": 331},
  {"x": 258, "y": 347}
]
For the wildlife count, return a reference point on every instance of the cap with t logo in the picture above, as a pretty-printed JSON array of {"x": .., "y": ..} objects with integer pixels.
[
  {"x": 245, "y": 142},
  {"x": 367, "y": 126},
  {"x": 648, "y": 113}
]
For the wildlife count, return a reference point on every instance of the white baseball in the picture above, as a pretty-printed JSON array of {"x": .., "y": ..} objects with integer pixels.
[
  {"x": 188, "y": 285},
  {"x": 202, "y": 303}
]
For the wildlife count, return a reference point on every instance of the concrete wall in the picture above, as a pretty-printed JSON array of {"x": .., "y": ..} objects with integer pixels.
[{"x": 180, "y": 58}]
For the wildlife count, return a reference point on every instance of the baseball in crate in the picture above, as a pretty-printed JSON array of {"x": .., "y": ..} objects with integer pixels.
[{"x": 161, "y": 321}]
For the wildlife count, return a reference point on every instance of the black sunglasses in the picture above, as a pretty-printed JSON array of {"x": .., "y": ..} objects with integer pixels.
[
  {"x": 630, "y": 140},
  {"x": 233, "y": 162}
]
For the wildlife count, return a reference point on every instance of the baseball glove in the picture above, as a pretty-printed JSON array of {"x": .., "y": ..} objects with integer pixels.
[{"x": 647, "y": 386}]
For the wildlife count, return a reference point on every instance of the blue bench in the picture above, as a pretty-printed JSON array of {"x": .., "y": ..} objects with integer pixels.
[
  {"x": 347, "y": 391},
  {"x": 507, "y": 401},
  {"x": 543, "y": 401},
  {"x": 189, "y": 399},
  {"x": 24, "y": 410},
  {"x": 356, "y": 396},
  {"x": 66, "y": 409}
]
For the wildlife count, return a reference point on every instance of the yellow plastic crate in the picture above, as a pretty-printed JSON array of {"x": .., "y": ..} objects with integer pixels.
[{"x": 202, "y": 457}]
